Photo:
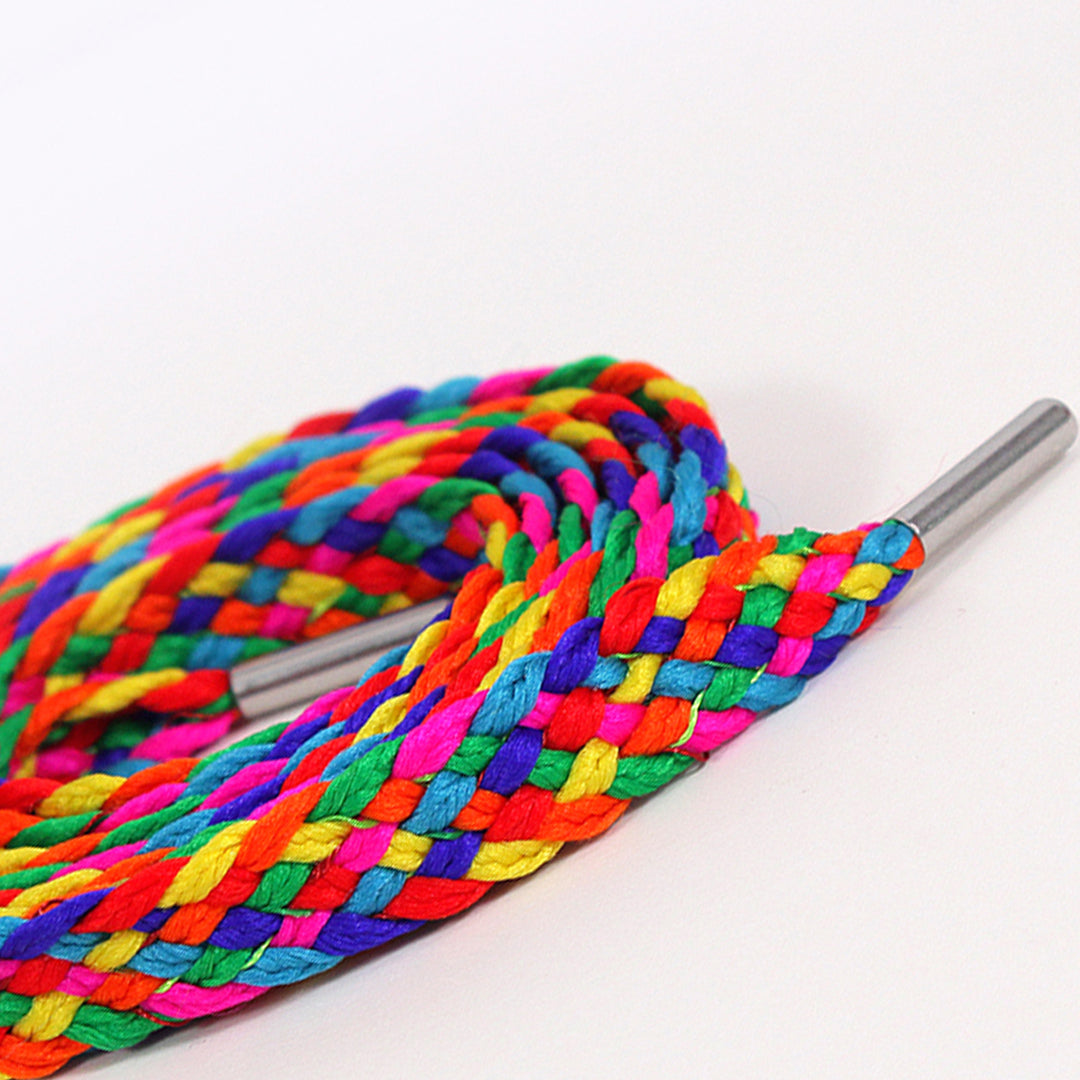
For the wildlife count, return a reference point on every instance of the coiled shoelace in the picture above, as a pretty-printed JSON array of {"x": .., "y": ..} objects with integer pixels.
[{"x": 616, "y": 617}]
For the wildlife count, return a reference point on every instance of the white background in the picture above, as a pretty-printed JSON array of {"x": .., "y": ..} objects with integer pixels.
[{"x": 855, "y": 229}]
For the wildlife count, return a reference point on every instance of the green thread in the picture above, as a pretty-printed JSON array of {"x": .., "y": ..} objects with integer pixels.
[
  {"x": 688, "y": 734},
  {"x": 256, "y": 956}
]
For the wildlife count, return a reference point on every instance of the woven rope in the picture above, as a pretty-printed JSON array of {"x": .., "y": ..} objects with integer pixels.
[{"x": 618, "y": 619}]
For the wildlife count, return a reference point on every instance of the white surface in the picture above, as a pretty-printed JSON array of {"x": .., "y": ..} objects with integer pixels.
[{"x": 855, "y": 230}]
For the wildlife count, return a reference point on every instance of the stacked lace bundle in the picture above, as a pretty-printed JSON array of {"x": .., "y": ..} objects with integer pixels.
[{"x": 615, "y": 618}]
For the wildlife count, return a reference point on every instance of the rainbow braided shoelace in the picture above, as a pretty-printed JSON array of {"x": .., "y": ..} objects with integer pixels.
[{"x": 616, "y": 617}]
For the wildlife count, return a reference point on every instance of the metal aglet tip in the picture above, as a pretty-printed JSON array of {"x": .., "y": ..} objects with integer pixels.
[
  {"x": 990, "y": 474},
  {"x": 301, "y": 673}
]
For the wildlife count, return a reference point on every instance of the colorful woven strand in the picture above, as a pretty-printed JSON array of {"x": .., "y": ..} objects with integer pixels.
[{"x": 615, "y": 619}]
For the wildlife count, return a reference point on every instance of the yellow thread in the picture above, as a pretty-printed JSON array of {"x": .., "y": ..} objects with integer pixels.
[
  {"x": 250, "y": 452},
  {"x": 110, "y": 607},
  {"x": 406, "y": 851},
  {"x": 50, "y": 1015},
  {"x": 395, "y": 601},
  {"x": 734, "y": 484},
  {"x": 27, "y": 768},
  {"x": 57, "y": 684},
  {"x": 306, "y": 589},
  {"x": 519, "y": 637},
  {"x": 16, "y": 858},
  {"x": 219, "y": 579},
  {"x": 82, "y": 543},
  {"x": 865, "y": 581},
  {"x": 315, "y": 841},
  {"x": 511, "y": 859},
  {"x": 502, "y": 603},
  {"x": 665, "y": 389},
  {"x": 385, "y": 718},
  {"x": 640, "y": 675},
  {"x": 205, "y": 869},
  {"x": 408, "y": 446},
  {"x": 560, "y": 401},
  {"x": 56, "y": 889},
  {"x": 782, "y": 570},
  {"x": 495, "y": 543},
  {"x": 389, "y": 469},
  {"x": 120, "y": 693},
  {"x": 577, "y": 433},
  {"x": 124, "y": 532},
  {"x": 115, "y": 951},
  {"x": 592, "y": 773},
  {"x": 428, "y": 641},
  {"x": 79, "y": 796},
  {"x": 682, "y": 592}
]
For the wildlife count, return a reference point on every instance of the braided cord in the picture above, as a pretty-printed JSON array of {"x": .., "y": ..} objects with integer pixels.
[{"x": 616, "y": 617}]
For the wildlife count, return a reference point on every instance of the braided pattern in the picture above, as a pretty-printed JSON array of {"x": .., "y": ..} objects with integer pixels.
[
  {"x": 115, "y": 647},
  {"x": 618, "y": 618}
]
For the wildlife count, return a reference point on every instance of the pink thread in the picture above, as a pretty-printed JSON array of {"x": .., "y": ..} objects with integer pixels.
[
  {"x": 183, "y": 1001},
  {"x": 300, "y": 931},
  {"x": 363, "y": 848},
  {"x": 510, "y": 384},
  {"x": 327, "y": 560},
  {"x": 712, "y": 512},
  {"x": 619, "y": 722},
  {"x": 556, "y": 579},
  {"x": 185, "y": 739},
  {"x": 64, "y": 763},
  {"x": 791, "y": 653},
  {"x": 397, "y": 429},
  {"x": 645, "y": 501},
  {"x": 577, "y": 489},
  {"x": 469, "y": 527},
  {"x": 823, "y": 573},
  {"x": 82, "y": 981},
  {"x": 427, "y": 748},
  {"x": 29, "y": 561},
  {"x": 248, "y": 777},
  {"x": 194, "y": 525},
  {"x": 22, "y": 693},
  {"x": 320, "y": 707},
  {"x": 541, "y": 713},
  {"x": 388, "y": 498},
  {"x": 714, "y": 728},
  {"x": 652, "y": 544},
  {"x": 101, "y": 861},
  {"x": 148, "y": 802},
  {"x": 535, "y": 520},
  {"x": 284, "y": 621}
]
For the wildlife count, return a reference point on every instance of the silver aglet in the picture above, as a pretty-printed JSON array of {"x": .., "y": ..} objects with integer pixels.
[
  {"x": 992, "y": 472},
  {"x": 298, "y": 675}
]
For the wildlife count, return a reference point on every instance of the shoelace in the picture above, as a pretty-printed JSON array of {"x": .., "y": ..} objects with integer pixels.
[{"x": 615, "y": 618}]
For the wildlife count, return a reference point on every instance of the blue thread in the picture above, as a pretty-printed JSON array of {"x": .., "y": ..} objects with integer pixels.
[
  {"x": 284, "y": 965},
  {"x": 443, "y": 799},
  {"x": 512, "y": 696}
]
